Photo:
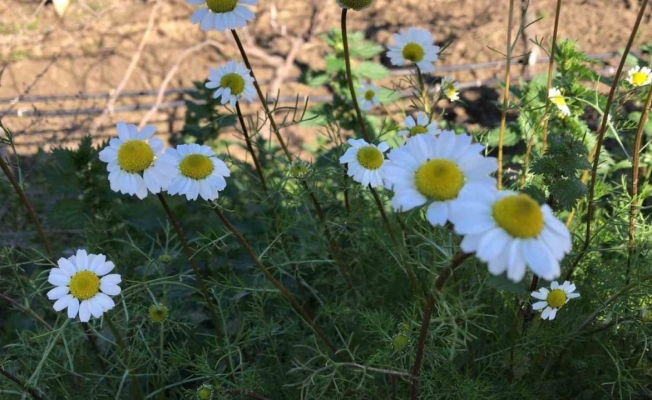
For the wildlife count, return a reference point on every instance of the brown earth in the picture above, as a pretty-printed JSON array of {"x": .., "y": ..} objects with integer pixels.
[{"x": 90, "y": 48}]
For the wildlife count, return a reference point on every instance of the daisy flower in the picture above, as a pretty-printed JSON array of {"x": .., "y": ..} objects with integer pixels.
[
  {"x": 368, "y": 96},
  {"x": 509, "y": 230},
  {"x": 450, "y": 88},
  {"x": 232, "y": 81},
  {"x": 299, "y": 169},
  {"x": 554, "y": 299},
  {"x": 365, "y": 161},
  {"x": 83, "y": 286},
  {"x": 416, "y": 46},
  {"x": 222, "y": 15},
  {"x": 419, "y": 125},
  {"x": 197, "y": 171},
  {"x": 133, "y": 164},
  {"x": 556, "y": 98},
  {"x": 355, "y": 4},
  {"x": 639, "y": 76},
  {"x": 432, "y": 170}
]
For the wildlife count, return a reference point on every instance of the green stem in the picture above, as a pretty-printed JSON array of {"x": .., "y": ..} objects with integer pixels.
[
  {"x": 284, "y": 291},
  {"x": 349, "y": 78},
  {"x": 138, "y": 391},
  {"x": 189, "y": 255},
  {"x": 250, "y": 147}
]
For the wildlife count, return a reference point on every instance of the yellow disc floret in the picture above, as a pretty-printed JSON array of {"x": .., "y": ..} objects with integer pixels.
[
  {"x": 558, "y": 100},
  {"x": 519, "y": 215},
  {"x": 233, "y": 81},
  {"x": 135, "y": 156},
  {"x": 556, "y": 298},
  {"x": 196, "y": 166},
  {"x": 413, "y": 52},
  {"x": 639, "y": 78},
  {"x": 417, "y": 130},
  {"x": 356, "y": 4},
  {"x": 221, "y": 6},
  {"x": 84, "y": 285},
  {"x": 439, "y": 179},
  {"x": 158, "y": 313},
  {"x": 370, "y": 157},
  {"x": 369, "y": 95}
]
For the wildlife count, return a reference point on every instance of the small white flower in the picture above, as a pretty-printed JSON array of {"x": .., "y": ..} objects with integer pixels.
[
  {"x": 432, "y": 170},
  {"x": 639, "y": 76},
  {"x": 419, "y": 125},
  {"x": 356, "y": 5},
  {"x": 222, "y": 15},
  {"x": 416, "y": 46},
  {"x": 133, "y": 164},
  {"x": 299, "y": 169},
  {"x": 83, "y": 286},
  {"x": 368, "y": 96},
  {"x": 232, "y": 81},
  {"x": 365, "y": 161},
  {"x": 197, "y": 171},
  {"x": 509, "y": 230},
  {"x": 556, "y": 98},
  {"x": 554, "y": 299},
  {"x": 450, "y": 88}
]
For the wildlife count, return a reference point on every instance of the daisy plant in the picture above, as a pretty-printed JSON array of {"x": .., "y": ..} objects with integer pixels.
[
  {"x": 557, "y": 98},
  {"x": 432, "y": 171},
  {"x": 133, "y": 161},
  {"x": 356, "y": 5},
  {"x": 450, "y": 88},
  {"x": 196, "y": 172},
  {"x": 414, "y": 46},
  {"x": 639, "y": 76},
  {"x": 509, "y": 231},
  {"x": 365, "y": 161},
  {"x": 232, "y": 82},
  {"x": 222, "y": 15},
  {"x": 551, "y": 300},
  {"x": 418, "y": 125},
  {"x": 368, "y": 96},
  {"x": 83, "y": 285}
]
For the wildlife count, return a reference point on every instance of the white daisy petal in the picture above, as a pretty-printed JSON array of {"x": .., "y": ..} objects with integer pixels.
[
  {"x": 539, "y": 305},
  {"x": 58, "y": 292},
  {"x": 546, "y": 313},
  {"x": 73, "y": 308}
]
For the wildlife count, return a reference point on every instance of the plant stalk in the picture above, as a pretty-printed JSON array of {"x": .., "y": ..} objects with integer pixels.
[
  {"x": 189, "y": 255},
  {"x": 635, "y": 172},
  {"x": 250, "y": 147},
  {"x": 503, "y": 116},
  {"x": 427, "y": 315},
  {"x": 284, "y": 291},
  {"x": 551, "y": 63},
  {"x": 595, "y": 154}
]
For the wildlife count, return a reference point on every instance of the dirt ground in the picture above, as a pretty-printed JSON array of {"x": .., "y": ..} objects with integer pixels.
[{"x": 89, "y": 51}]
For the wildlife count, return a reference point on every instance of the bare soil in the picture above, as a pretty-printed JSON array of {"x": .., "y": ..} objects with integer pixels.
[{"x": 90, "y": 48}]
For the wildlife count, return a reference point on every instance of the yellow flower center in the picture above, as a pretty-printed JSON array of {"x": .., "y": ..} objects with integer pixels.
[
  {"x": 357, "y": 4},
  {"x": 135, "y": 156},
  {"x": 558, "y": 100},
  {"x": 205, "y": 393},
  {"x": 84, "y": 285},
  {"x": 450, "y": 91},
  {"x": 369, "y": 95},
  {"x": 221, "y": 6},
  {"x": 639, "y": 78},
  {"x": 556, "y": 298},
  {"x": 439, "y": 179},
  {"x": 196, "y": 166},
  {"x": 519, "y": 215},
  {"x": 158, "y": 313},
  {"x": 370, "y": 157},
  {"x": 400, "y": 342},
  {"x": 233, "y": 81},
  {"x": 417, "y": 130},
  {"x": 413, "y": 52},
  {"x": 298, "y": 170}
]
